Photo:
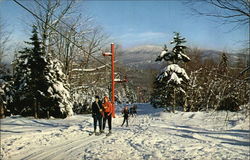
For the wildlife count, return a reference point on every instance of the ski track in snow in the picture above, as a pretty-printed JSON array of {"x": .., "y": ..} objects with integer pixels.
[{"x": 152, "y": 135}]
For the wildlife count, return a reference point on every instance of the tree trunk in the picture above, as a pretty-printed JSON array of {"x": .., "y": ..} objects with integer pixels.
[
  {"x": 174, "y": 105},
  {"x": 48, "y": 114},
  {"x": 1, "y": 108},
  {"x": 35, "y": 108},
  {"x": 185, "y": 105}
]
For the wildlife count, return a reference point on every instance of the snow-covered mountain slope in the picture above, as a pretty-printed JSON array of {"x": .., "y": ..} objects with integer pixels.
[
  {"x": 142, "y": 57},
  {"x": 152, "y": 134}
]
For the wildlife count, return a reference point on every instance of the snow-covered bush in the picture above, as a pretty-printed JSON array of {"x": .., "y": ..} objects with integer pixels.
[
  {"x": 84, "y": 96},
  {"x": 216, "y": 87},
  {"x": 229, "y": 103}
]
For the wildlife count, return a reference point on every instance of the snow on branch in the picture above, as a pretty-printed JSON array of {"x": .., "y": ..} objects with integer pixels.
[
  {"x": 81, "y": 87},
  {"x": 177, "y": 69},
  {"x": 90, "y": 69},
  {"x": 175, "y": 79}
]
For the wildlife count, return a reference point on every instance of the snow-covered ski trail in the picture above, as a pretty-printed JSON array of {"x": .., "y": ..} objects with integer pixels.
[
  {"x": 63, "y": 149},
  {"x": 152, "y": 135}
]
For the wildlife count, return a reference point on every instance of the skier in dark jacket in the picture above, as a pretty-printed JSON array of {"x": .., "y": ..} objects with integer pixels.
[
  {"x": 125, "y": 113},
  {"x": 97, "y": 114},
  {"x": 132, "y": 110}
]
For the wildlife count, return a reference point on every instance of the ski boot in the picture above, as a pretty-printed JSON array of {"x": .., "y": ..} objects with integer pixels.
[
  {"x": 109, "y": 133},
  {"x": 92, "y": 133}
]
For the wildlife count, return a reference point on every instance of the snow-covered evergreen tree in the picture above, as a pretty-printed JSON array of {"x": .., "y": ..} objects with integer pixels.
[
  {"x": 169, "y": 84},
  {"x": 6, "y": 94},
  {"x": 40, "y": 85},
  {"x": 5, "y": 91}
]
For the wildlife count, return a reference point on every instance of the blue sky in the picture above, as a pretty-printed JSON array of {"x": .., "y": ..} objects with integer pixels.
[{"x": 132, "y": 23}]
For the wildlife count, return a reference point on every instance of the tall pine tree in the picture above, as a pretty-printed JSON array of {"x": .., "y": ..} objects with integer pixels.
[
  {"x": 169, "y": 84},
  {"x": 40, "y": 86}
]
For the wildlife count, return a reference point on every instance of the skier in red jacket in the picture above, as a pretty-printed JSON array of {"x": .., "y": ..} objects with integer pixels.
[{"x": 109, "y": 112}]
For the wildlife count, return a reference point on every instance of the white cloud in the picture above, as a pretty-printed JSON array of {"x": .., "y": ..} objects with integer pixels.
[{"x": 143, "y": 35}]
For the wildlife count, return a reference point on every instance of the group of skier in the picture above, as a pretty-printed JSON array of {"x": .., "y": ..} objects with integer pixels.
[
  {"x": 102, "y": 112},
  {"x": 105, "y": 111}
]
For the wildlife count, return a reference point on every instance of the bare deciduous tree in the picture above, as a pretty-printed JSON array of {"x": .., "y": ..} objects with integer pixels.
[
  {"x": 230, "y": 11},
  {"x": 4, "y": 37},
  {"x": 52, "y": 12},
  {"x": 78, "y": 31},
  {"x": 65, "y": 49},
  {"x": 94, "y": 41}
]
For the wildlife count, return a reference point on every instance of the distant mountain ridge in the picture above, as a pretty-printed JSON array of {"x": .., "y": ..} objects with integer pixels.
[{"x": 143, "y": 57}]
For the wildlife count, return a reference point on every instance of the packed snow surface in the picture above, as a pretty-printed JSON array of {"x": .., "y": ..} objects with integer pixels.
[{"x": 152, "y": 134}]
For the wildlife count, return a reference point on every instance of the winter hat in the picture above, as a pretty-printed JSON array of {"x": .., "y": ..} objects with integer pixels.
[{"x": 97, "y": 97}]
